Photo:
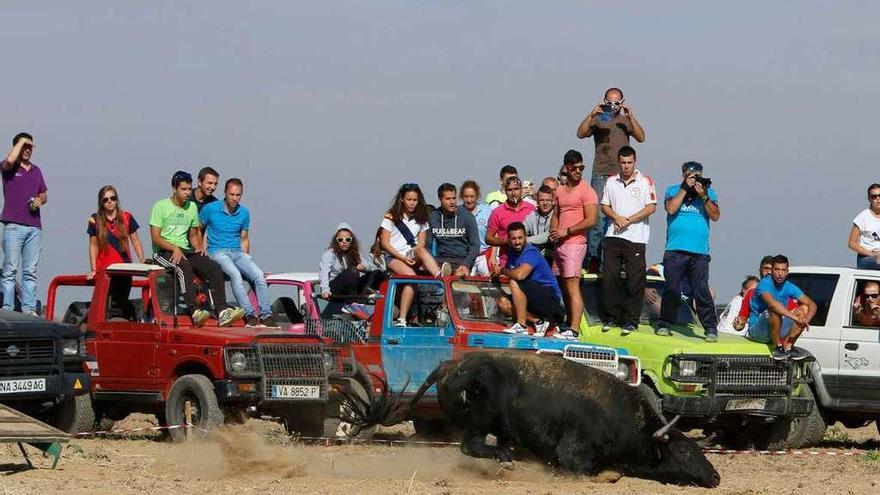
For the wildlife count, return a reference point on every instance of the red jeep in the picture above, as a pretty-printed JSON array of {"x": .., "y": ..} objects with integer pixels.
[{"x": 157, "y": 362}]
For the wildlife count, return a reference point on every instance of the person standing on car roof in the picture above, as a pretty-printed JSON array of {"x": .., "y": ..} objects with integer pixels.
[
  {"x": 177, "y": 244},
  {"x": 470, "y": 200},
  {"x": 204, "y": 193},
  {"x": 538, "y": 221},
  {"x": 111, "y": 229},
  {"x": 610, "y": 123},
  {"x": 576, "y": 211},
  {"x": 864, "y": 237},
  {"x": 628, "y": 199},
  {"x": 453, "y": 235},
  {"x": 227, "y": 227},
  {"x": 690, "y": 207},
  {"x": 24, "y": 194}
]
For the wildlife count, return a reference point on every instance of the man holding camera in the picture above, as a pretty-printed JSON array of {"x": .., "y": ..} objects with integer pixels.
[
  {"x": 690, "y": 206},
  {"x": 610, "y": 123}
]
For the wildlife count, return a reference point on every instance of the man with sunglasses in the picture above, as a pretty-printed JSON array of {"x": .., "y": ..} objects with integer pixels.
[
  {"x": 866, "y": 310},
  {"x": 690, "y": 207},
  {"x": 576, "y": 211},
  {"x": 227, "y": 227},
  {"x": 770, "y": 318},
  {"x": 24, "y": 193},
  {"x": 177, "y": 244},
  {"x": 610, "y": 123}
]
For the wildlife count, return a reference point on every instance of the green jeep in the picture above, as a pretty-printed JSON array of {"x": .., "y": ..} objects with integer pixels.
[{"x": 731, "y": 388}]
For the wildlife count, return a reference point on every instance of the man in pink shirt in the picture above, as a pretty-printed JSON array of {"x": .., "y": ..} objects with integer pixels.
[
  {"x": 512, "y": 210},
  {"x": 577, "y": 207}
]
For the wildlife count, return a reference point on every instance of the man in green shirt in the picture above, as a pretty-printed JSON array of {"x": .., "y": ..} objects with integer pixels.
[{"x": 177, "y": 243}]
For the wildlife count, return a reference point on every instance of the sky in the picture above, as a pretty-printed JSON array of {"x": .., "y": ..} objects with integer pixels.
[{"x": 324, "y": 108}]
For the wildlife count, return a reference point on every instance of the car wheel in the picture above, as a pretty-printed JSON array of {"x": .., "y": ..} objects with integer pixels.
[
  {"x": 198, "y": 391},
  {"x": 808, "y": 430},
  {"x": 74, "y": 415},
  {"x": 336, "y": 428},
  {"x": 653, "y": 398}
]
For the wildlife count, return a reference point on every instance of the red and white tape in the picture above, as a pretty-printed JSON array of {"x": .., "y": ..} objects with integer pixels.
[
  {"x": 133, "y": 430},
  {"x": 783, "y": 452}
]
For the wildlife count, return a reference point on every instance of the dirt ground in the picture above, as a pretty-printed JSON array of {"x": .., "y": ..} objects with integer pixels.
[{"x": 259, "y": 458}]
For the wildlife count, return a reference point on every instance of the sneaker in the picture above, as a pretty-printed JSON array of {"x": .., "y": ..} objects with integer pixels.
[
  {"x": 780, "y": 354},
  {"x": 798, "y": 354},
  {"x": 567, "y": 334},
  {"x": 32, "y": 312},
  {"x": 516, "y": 328},
  {"x": 541, "y": 328},
  {"x": 445, "y": 269},
  {"x": 664, "y": 331},
  {"x": 400, "y": 322},
  {"x": 251, "y": 321},
  {"x": 268, "y": 321},
  {"x": 628, "y": 329},
  {"x": 607, "y": 325},
  {"x": 711, "y": 337},
  {"x": 199, "y": 317},
  {"x": 229, "y": 316}
]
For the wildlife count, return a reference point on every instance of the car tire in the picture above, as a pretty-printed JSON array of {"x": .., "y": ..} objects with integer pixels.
[
  {"x": 808, "y": 430},
  {"x": 206, "y": 413},
  {"x": 653, "y": 398},
  {"x": 74, "y": 415},
  {"x": 336, "y": 428}
]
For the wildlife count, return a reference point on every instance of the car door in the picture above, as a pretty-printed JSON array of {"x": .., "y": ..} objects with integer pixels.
[
  {"x": 823, "y": 337},
  {"x": 859, "y": 378},
  {"x": 410, "y": 354},
  {"x": 126, "y": 350}
]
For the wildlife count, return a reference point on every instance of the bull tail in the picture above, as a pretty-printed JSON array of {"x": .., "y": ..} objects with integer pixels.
[{"x": 384, "y": 407}]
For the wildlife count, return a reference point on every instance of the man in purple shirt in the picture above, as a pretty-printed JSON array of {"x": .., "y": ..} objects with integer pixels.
[{"x": 24, "y": 193}]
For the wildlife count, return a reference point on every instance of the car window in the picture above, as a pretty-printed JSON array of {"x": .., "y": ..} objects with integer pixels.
[
  {"x": 483, "y": 301},
  {"x": 820, "y": 288},
  {"x": 125, "y": 302},
  {"x": 866, "y": 304}
]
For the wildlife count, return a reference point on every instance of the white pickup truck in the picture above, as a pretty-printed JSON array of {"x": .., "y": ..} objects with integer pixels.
[{"x": 846, "y": 374}]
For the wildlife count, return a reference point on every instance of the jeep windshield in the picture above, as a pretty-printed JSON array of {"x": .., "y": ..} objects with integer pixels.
[
  {"x": 591, "y": 291},
  {"x": 482, "y": 301}
]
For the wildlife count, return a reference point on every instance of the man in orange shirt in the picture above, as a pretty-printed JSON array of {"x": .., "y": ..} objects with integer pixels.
[{"x": 577, "y": 208}]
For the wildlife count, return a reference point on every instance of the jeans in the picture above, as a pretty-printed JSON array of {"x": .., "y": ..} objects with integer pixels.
[
  {"x": 238, "y": 265},
  {"x": 677, "y": 267},
  {"x": 597, "y": 232},
  {"x": 866, "y": 262},
  {"x": 21, "y": 246}
]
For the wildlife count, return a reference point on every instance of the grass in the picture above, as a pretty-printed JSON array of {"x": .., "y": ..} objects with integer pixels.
[
  {"x": 871, "y": 456},
  {"x": 836, "y": 434}
]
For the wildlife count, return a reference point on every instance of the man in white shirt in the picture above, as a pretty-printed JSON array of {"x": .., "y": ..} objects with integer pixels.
[
  {"x": 628, "y": 199},
  {"x": 726, "y": 322}
]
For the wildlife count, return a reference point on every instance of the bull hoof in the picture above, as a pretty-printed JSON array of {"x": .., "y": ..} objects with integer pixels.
[
  {"x": 508, "y": 465},
  {"x": 607, "y": 477}
]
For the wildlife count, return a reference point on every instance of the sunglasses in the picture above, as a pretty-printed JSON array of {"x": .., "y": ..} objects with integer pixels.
[
  {"x": 871, "y": 296},
  {"x": 614, "y": 102},
  {"x": 874, "y": 196},
  {"x": 108, "y": 199},
  {"x": 341, "y": 240},
  {"x": 577, "y": 167}
]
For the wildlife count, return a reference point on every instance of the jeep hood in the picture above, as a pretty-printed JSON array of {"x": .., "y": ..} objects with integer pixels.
[{"x": 685, "y": 339}]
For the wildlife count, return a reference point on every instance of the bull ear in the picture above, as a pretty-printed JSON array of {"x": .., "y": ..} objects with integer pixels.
[{"x": 661, "y": 435}]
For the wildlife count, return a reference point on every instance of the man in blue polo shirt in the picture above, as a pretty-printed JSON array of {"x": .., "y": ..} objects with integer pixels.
[
  {"x": 771, "y": 321},
  {"x": 532, "y": 285},
  {"x": 227, "y": 224},
  {"x": 690, "y": 206}
]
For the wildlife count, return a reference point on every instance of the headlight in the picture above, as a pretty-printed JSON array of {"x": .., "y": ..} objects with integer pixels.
[
  {"x": 70, "y": 347},
  {"x": 688, "y": 368},
  {"x": 622, "y": 371},
  {"x": 237, "y": 362},
  {"x": 329, "y": 362}
]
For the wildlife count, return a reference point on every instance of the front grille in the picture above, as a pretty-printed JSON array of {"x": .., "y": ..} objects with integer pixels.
[
  {"x": 737, "y": 374},
  {"x": 292, "y": 364},
  {"x": 19, "y": 352},
  {"x": 602, "y": 359}
]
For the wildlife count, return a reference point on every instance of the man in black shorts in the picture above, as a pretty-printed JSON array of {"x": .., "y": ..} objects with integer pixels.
[{"x": 532, "y": 285}]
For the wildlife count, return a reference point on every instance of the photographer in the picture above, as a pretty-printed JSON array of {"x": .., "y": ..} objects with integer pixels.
[
  {"x": 689, "y": 207},
  {"x": 610, "y": 123}
]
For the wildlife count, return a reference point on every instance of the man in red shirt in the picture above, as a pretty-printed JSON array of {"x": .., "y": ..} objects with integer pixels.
[
  {"x": 514, "y": 209},
  {"x": 577, "y": 207}
]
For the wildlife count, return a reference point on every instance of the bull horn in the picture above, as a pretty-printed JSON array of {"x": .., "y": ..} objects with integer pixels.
[{"x": 658, "y": 435}]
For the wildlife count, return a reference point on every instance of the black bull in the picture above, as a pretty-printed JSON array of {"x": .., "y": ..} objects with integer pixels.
[{"x": 568, "y": 415}]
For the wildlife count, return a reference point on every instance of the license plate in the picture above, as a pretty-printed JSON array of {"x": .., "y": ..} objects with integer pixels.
[
  {"x": 296, "y": 391},
  {"x": 27, "y": 385},
  {"x": 743, "y": 404}
]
